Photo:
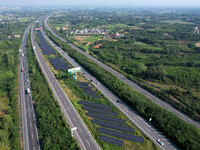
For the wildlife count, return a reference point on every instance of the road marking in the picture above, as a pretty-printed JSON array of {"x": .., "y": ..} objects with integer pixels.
[
  {"x": 32, "y": 136},
  {"x": 135, "y": 118},
  {"x": 80, "y": 130},
  {"x": 87, "y": 141},
  {"x": 158, "y": 102},
  {"x": 147, "y": 129},
  {"x": 74, "y": 119}
]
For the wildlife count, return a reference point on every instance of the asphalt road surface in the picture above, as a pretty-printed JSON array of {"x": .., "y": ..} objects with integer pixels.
[
  {"x": 29, "y": 127},
  {"x": 142, "y": 124},
  {"x": 82, "y": 134},
  {"x": 132, "y": 84}
]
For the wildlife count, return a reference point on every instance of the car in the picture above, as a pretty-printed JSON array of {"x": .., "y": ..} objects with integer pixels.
[
  {"x": 160, "y": 142},
  {"x": 118, "y": 101},
  {"x": 97, "y": 82},
  {"x": 91, "y": 80}
]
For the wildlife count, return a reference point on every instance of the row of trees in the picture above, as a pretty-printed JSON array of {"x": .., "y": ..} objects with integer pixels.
[
  {"x": 186, "y": 136},
  {"x": 9, "y": 91},
  {"x": 54, "y": 132}
]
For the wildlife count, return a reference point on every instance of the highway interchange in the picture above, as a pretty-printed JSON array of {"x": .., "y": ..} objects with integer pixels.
[
  {"x": 82, "y": 134},
  {"x": 125, "y": 80},
  {"x": 142, "y": 124},
  {"x": 29, "y": 127}
]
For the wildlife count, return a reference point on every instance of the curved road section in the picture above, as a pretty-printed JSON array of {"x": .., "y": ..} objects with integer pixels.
[
  {"x": 82, "y": 134},
  {"x": 29, "y": 127},
  {"x": 133, "y": 116},
  {"x": 132, "y": 84}
]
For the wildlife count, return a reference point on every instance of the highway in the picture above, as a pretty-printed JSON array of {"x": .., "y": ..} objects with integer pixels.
[
  {"x": 132, "y": 84},
  {"x": 133, "y": 116},
  {"x": 82, "y": 134},
  {"x": 29, "y": 127}
]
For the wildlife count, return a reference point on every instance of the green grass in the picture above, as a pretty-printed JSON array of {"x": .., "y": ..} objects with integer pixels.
[
  {"x": 176, "y": 21},
  {"x": 93, "y": 38},
  {"x": 186, "y": 72},
  {"x": 113, "y": 26}
]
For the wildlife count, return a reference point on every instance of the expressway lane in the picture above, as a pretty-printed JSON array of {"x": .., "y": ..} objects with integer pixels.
[
  {"x": 132, "y": 84},
  {"x": 29, "y": 128},
  {"x": 142, "y": 124},
  {"x": 82, "y": 134}
]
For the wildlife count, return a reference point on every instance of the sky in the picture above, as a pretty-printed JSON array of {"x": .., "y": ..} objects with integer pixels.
[{"x": 163, "y": 3}]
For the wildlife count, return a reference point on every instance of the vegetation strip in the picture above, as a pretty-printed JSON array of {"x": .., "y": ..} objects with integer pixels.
[{"x": 183, "y": 134}]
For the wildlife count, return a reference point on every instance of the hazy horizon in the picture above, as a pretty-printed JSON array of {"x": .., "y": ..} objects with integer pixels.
[{"x": 131, "y": 3}]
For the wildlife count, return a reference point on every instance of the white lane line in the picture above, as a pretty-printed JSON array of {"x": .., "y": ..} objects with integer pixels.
[
  {"x": 80, "y": 130},
  {"x": 158, "y": 102},
  {"x": 87, "y": 141},
  {"x": 29, "y": 114},
  {"x": 32, "y": 136},
  {"x": 74, "y": 119},
  {"x": 125, "y": 109},
  {"x": 147, "y": 129},
  {"x": 135, "y": 118}
]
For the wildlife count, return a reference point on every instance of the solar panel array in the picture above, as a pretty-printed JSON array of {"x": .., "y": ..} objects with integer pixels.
[
  {"x": 88, "y": 90},
  {"x": 46, "y": 48},
  {"x": 101, "y": 111},
  {"x": 59, "y": 64},
  {"x": 113, "y": 126},
  {"x": 121, "y": 135},
  {"x": 83, "y": 83},
  {"x": 107, "y": 118},
  {"x": 95, "y": 104},
  {"x": 111, "y": 140}
]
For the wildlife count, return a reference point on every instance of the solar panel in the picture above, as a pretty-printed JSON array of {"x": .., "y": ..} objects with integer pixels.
[
  {"x": 121, "y": 135},
  {"x": 111, "y": 140},
  {"x": 107, "y": 118},
  {"x": 59, "y": 64},
  {"x": 46, "y": 48},
  {"x": 85, "y": 87},
  {"x": 101, "y": 111},
  {"x": 113, "y": 126},
  {"x": 89, "y": 91},
  {"x": 83, "y": 83},
  {"x": 95, "y": 104}
]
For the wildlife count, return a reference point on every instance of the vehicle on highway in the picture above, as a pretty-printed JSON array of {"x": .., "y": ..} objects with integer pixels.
[
  {"x": 160, "y": 142},
  {"x": 22, "y": 69},
  {"x": 118, "y": 101},
  {"x": 26, "y": 80},
  {"x": 28, "y": 91},
  {"x": 97, "y": 82},
  {"x": 91, "y": 80},
  {"x": 22, "y": 55}
]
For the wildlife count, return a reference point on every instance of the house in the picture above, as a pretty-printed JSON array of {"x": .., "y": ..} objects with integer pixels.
[{"x": 196, "y": 30}]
